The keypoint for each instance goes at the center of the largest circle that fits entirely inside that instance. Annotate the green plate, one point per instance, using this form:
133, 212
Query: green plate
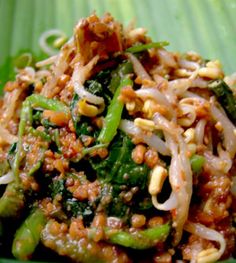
205, 26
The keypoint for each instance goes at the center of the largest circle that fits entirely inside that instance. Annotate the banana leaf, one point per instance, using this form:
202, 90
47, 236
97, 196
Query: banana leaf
205, 26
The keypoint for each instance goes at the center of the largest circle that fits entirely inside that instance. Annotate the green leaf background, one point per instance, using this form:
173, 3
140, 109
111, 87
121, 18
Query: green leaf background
205, 26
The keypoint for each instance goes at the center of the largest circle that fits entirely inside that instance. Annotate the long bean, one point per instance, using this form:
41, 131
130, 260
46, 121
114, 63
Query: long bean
114, 113
140, 239
26, 116
12, 200
27, 236
39, 101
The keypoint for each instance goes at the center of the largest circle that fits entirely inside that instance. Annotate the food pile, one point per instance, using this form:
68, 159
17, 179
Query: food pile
118, 150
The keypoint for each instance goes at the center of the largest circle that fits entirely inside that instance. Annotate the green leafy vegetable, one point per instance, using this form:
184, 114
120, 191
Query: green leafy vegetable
58, 187
143, 47
99, 85
82, 124
225, 96
117, 207
119, 167
78, 208
71, 206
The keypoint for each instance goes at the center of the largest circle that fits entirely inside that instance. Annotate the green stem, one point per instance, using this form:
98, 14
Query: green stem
56, 139
40, 101
140, 239
120, 72
91, 149
27, 236
37, 133
25, 116
113, 117
140, 48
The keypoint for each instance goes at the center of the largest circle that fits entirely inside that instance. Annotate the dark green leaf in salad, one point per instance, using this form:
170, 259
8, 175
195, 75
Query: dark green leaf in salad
225, 96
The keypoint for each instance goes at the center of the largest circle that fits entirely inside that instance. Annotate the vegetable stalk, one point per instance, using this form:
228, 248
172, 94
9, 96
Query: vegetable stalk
27, 236
40, 101
26, 116
140, 48
140, 239
114, 113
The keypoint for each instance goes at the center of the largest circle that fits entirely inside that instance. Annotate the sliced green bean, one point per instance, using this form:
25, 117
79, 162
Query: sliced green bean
39, 101
140, 239
25, 116
27, 236
113, 117
140, 48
